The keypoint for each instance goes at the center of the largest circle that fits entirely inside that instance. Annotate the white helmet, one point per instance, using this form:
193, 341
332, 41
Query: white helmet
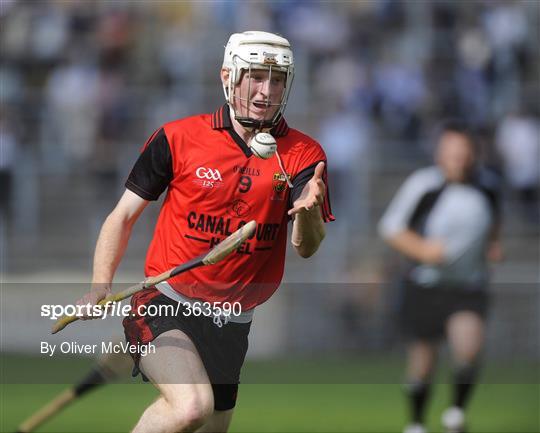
257, 50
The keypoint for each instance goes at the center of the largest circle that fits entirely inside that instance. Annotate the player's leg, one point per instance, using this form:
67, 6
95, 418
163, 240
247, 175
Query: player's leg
421, 358
202, 371
224, 403
465, 330
218, 422
186, 400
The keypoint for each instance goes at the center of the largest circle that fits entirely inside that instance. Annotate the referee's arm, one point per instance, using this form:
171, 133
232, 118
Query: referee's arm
416, 247
394, 225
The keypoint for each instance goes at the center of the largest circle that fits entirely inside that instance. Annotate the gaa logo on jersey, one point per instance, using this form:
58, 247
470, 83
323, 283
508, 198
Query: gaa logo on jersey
208, 177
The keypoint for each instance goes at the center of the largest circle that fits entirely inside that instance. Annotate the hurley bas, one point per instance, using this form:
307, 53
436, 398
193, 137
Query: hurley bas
74, 348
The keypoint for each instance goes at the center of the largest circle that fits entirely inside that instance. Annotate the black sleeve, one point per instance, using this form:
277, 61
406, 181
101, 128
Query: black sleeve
418, 219
300, 181
493, 197
153, 171
489, 182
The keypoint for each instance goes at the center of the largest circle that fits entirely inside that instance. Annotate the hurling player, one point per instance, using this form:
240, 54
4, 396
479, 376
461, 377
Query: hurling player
214, 184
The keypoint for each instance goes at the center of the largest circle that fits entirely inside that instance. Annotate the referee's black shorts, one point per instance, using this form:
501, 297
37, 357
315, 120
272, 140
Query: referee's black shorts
222, 350
425, 311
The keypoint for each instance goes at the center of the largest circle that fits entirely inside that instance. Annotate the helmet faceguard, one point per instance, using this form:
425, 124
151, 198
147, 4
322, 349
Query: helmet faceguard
253, 50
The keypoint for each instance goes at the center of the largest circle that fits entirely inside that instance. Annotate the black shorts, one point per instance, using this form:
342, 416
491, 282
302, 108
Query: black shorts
222, 350
425, 310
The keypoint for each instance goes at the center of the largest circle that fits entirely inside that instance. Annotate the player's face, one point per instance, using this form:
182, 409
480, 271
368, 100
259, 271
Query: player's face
455, 156
259, 93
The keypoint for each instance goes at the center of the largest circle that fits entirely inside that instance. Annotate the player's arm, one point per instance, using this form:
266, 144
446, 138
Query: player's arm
308, 226
111, 245
114, 236
149, 177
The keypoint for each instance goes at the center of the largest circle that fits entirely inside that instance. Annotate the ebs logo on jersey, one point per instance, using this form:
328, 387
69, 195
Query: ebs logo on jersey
208, 177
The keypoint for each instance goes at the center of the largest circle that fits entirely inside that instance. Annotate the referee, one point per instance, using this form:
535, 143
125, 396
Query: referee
444, 220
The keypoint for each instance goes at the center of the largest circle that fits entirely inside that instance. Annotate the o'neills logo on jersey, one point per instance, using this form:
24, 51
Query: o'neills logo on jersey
208, 177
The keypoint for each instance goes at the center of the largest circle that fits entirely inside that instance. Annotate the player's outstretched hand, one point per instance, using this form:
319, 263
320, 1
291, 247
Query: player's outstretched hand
96, 294
312, 195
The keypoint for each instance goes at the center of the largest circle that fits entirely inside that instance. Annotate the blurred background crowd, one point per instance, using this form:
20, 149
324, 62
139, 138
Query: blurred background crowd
84, 83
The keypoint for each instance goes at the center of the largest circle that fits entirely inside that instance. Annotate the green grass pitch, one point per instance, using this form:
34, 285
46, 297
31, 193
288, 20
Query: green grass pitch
291, 407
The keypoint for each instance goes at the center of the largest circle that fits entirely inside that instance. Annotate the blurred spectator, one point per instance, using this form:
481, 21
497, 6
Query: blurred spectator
390, 12
471, 77
352, 87
8, 146
114, 35
348, 135
16, 30
319, 27
12, 86
506, 27
71, 97
50, 32
113, 111
518, 142
401, 93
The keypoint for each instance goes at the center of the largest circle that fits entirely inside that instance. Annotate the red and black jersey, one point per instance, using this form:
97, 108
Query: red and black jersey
215, 185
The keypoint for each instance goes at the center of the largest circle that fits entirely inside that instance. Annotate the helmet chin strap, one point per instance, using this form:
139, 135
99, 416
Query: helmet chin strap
283, 170
254, 124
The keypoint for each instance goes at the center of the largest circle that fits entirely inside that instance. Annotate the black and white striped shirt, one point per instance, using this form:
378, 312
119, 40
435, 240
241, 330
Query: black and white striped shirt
461, 215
